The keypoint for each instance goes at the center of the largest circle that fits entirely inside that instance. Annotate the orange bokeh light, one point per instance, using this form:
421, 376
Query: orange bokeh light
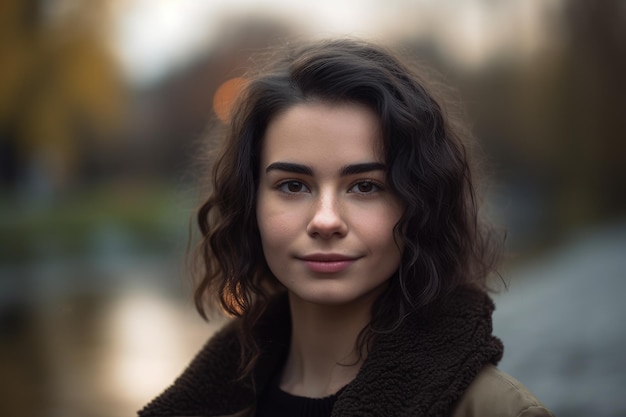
225, 96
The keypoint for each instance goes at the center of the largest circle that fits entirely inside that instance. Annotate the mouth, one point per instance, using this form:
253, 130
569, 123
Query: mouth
328, 263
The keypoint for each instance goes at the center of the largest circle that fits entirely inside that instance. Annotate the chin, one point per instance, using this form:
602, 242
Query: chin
338, 297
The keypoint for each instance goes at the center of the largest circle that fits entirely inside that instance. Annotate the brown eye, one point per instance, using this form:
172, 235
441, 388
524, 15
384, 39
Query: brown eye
293, 187
365, 187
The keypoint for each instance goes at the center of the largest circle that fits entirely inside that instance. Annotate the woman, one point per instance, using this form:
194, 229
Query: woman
342, 233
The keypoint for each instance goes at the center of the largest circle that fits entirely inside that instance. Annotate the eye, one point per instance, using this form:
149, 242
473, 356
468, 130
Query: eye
293, 187
365, 187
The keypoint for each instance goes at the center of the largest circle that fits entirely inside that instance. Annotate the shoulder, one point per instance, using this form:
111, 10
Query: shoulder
495, 393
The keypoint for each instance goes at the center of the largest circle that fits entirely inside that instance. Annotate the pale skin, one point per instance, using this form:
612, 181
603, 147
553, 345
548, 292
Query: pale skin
326, 217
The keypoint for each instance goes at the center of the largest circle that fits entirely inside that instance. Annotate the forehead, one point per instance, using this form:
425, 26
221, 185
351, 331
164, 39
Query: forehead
345, 132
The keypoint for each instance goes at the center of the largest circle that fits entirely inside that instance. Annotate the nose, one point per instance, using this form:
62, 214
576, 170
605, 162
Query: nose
327, 219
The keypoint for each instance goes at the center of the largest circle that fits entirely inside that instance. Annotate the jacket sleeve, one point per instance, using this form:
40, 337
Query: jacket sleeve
495, 393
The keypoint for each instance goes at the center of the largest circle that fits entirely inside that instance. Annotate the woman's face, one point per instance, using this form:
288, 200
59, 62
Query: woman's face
325, 212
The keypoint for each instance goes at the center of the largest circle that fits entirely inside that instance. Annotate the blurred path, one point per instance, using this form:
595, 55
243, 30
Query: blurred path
562, 325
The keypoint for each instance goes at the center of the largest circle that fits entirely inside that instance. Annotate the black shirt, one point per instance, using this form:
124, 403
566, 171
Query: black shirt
275, 402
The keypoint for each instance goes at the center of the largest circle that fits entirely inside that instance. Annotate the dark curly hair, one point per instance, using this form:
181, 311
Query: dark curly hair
444, 243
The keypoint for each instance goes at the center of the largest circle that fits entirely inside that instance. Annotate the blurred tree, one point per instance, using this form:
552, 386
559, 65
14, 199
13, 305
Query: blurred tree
596, 60
553, 123
570, 114
60, 91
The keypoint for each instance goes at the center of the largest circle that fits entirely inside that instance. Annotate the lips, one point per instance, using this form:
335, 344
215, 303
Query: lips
328, 263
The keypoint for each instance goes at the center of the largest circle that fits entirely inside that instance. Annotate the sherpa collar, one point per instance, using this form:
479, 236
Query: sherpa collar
421, 369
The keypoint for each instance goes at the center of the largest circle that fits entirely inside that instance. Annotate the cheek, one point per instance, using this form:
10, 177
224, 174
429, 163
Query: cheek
384, 245
276, 224
377, 223
380, 238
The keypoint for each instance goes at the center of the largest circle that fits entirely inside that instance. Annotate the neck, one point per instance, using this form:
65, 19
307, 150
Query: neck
322, 355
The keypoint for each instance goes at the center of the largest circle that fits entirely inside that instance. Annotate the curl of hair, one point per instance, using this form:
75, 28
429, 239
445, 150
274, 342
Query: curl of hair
445, 245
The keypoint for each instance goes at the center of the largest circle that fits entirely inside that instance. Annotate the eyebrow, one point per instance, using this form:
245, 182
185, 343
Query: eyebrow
362, 168
345, 170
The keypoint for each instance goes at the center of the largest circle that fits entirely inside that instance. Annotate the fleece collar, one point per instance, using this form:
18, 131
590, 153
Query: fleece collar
421, 369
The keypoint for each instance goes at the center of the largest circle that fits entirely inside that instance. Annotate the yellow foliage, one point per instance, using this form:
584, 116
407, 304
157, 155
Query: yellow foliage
58, 83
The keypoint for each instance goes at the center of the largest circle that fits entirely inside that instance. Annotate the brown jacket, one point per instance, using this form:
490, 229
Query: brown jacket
494, 393
439, 365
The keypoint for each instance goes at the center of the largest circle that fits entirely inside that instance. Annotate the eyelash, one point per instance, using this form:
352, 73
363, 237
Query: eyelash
283, 187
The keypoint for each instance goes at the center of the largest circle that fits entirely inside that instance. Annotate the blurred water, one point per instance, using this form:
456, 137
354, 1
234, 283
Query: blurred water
93, 337
562, 325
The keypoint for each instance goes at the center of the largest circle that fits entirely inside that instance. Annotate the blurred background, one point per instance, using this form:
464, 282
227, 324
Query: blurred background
103, 107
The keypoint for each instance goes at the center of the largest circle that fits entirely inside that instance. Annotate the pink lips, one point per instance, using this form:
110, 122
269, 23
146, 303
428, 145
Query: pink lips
327, 263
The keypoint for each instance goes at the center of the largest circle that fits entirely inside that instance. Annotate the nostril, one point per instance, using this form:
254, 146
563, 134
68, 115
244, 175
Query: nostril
326, 222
